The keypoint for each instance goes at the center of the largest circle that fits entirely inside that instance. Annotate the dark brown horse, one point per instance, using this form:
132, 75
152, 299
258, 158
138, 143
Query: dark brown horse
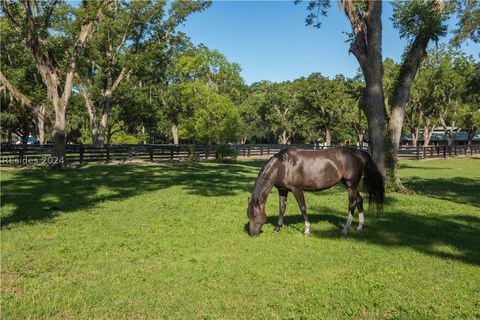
296, 170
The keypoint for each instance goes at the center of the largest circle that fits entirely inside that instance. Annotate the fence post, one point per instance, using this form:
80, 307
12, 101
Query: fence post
418, 153
81, 153
20, 154
171, 152
206, 153
150, 149
248, 151
455, 150
444, 151
261, 150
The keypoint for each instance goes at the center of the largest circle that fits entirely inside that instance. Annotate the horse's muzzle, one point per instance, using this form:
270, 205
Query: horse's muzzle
255, 229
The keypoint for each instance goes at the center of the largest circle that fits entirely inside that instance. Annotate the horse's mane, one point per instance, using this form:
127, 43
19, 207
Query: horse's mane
282, 155
258, 189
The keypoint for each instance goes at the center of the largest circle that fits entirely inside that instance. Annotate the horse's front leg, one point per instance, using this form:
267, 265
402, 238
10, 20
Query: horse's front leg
282, 194
298, 193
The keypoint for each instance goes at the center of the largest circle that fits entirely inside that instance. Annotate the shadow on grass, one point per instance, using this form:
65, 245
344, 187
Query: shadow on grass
39, 194
459, 189
455, 237
34, 193
409, 166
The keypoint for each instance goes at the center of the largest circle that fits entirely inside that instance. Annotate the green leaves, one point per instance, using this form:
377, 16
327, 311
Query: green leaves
316, 8
419, 18
442, 90
214, 118
468, 12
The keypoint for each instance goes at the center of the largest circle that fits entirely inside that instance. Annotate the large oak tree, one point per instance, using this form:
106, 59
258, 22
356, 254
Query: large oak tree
42, 26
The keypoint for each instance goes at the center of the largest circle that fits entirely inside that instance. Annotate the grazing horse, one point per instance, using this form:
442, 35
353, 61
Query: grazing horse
296, 170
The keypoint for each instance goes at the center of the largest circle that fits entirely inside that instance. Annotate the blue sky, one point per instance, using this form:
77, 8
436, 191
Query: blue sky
270, 41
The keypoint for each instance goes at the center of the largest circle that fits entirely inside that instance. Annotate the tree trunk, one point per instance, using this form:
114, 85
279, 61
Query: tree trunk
414, 57
427, 132
59, 104
41, 123
328, 137
283, 137
415, 134
175, 133
25, 136
367, 48
92, 114
98, 130
360, 129
451, 137
143, 134
449, 133
416, 54
361, 137
374, 109
59, 138
105, 116
470, 134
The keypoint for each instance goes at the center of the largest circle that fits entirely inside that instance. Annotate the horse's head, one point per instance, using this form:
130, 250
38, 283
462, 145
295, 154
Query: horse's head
256, 216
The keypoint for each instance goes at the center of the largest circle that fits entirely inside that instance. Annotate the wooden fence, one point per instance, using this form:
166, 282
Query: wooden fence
41, 154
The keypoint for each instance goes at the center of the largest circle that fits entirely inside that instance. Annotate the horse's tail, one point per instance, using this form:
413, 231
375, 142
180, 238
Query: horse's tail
373, 183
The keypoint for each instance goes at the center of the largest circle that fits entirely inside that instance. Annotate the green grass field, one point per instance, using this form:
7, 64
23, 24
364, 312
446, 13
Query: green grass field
168, 241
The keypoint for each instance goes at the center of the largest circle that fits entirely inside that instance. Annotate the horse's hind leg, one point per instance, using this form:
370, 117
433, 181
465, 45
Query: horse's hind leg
352, 204
360, 211
282, 194
298, 193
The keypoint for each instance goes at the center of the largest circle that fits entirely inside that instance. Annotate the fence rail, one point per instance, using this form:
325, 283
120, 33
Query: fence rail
30, 154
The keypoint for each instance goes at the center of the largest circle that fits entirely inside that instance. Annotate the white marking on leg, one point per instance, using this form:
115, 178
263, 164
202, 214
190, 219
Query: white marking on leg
360, 221
307, 228
348, 224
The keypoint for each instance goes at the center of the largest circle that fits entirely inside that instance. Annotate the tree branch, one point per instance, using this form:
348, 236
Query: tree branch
117, 50
348, 7
48, 14
120, 77
85, 32
24, 100
10, 18
416, 54
88, 102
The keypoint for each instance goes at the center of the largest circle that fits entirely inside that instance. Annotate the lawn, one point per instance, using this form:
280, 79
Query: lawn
168, 241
